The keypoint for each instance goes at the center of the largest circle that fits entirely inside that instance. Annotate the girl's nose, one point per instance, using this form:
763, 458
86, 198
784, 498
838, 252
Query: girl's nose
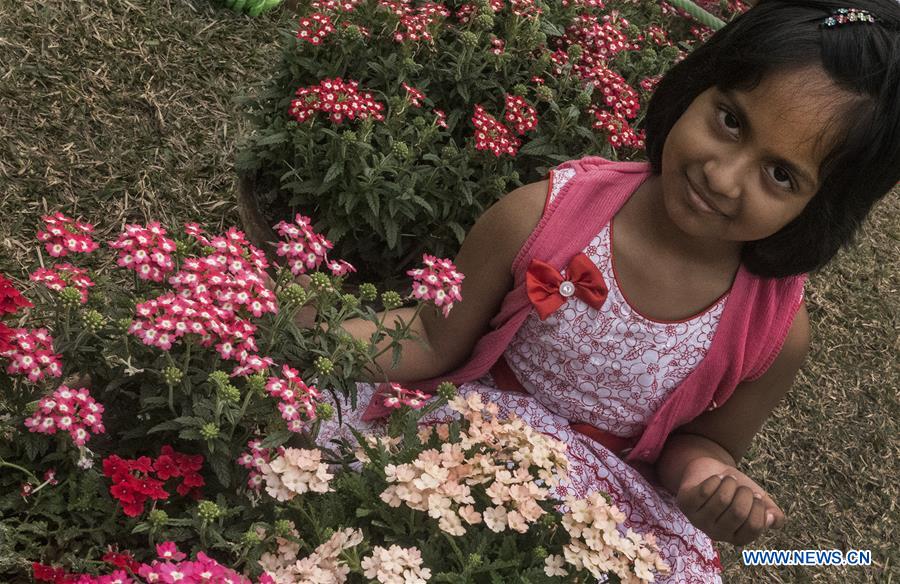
724, 177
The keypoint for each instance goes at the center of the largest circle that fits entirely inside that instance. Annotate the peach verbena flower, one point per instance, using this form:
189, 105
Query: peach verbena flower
496, 456
598, 547
323, 566
395, 565
294, 472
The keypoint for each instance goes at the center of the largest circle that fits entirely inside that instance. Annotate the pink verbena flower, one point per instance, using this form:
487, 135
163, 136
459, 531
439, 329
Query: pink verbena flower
63, 276
30, 353
252, 459
335, 5
520, 114
314, 28
167, 550
297, 401
397, 396
64, 235
438, 282
304, 248
68, 410
213, 297
492, 135
145, 250
337, 98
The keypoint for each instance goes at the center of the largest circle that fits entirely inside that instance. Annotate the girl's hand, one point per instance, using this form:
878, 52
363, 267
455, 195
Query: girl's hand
305, 317
725, 503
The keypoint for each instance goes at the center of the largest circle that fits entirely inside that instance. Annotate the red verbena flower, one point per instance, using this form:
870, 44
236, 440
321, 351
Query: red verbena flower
520, 114
30, 352
11, 300
314, 28
337, 98
492, 135
64, 235
63, 276
69, 410
145, 250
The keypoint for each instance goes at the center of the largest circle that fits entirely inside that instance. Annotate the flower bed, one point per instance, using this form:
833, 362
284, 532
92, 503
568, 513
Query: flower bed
159, 421
396, 124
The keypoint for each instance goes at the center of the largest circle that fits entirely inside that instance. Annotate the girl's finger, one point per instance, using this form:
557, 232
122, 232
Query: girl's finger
737, 512
720, 500
691, 499
778, 517
754, 526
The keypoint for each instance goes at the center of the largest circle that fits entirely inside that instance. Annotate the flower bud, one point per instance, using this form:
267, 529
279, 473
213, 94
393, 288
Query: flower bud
349, 300
70, 297
446, 390
519, 89
474, 560
400, 150
324, 365
448, 152
229, 393
93, 320
420, 122
544, 93
283, 527
181, 248
349, 137
582, 100
320, 281
540, 552
352, 33
123, 324
208, 511
368, 292
324, 411
172, 375
484, 21
669, 53
209, 431
218, 378
157, 518
251, 538
391, 300
468, 39
574, 52
293, 294
257, 383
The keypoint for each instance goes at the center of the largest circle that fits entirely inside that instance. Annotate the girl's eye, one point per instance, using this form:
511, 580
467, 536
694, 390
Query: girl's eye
728, 119
782, 177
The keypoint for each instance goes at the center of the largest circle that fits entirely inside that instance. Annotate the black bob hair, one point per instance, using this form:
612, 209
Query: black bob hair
864, 165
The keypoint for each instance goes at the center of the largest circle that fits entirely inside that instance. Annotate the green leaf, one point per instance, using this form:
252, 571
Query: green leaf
221, 465
166, 426
391, 233
334, 170
272, 139
373, 201
458, 231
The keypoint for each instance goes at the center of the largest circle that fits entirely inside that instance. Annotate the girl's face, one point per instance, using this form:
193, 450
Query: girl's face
739, 166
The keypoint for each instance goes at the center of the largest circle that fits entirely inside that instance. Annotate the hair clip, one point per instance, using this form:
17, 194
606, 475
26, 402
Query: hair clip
845, 15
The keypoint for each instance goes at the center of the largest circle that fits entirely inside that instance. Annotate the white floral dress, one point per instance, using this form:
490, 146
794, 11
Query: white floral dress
610, 368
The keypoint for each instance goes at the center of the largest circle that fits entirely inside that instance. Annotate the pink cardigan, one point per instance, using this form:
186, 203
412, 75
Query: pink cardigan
754, 323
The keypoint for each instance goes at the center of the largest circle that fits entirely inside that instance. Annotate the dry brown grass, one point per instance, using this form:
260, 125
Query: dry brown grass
121, 111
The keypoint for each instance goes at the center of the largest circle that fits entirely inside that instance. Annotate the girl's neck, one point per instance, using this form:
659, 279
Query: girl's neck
647, 208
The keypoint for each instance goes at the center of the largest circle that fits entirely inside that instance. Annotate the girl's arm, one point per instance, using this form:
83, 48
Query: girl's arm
485, 258
698, 462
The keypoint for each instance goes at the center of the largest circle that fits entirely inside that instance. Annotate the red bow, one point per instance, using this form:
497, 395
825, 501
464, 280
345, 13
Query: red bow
547, 289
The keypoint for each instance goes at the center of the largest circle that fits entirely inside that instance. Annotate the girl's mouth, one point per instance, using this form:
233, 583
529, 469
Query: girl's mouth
700, 203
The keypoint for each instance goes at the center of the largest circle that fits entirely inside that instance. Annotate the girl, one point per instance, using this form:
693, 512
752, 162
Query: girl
650, 315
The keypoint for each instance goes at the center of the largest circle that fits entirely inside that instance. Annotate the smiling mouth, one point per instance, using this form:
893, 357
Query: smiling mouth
700, 202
